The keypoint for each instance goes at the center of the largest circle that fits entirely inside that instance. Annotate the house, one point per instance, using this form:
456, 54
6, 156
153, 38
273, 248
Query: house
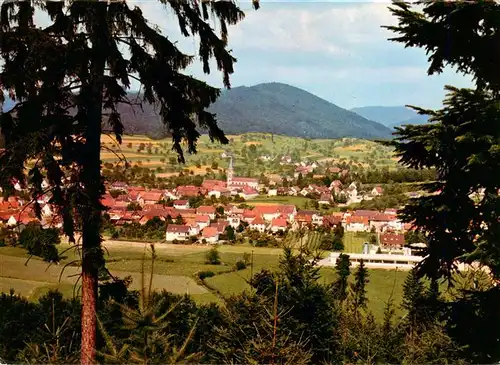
249, 215
210, 184
352, 192
356, 223
278, 224
379, 220
392, 240
272, 192
285, 160
377, 191
149, 197
151, 207
202, 221
177, 232
47, 210
333, 220
206, 210
17, 185
221, 225
119, 185
181, 204
302, 170
108, 201
188, 190
306, 217
194, 229
169, 194
325, 199
234, 221
147, 217
336, 187
248, 192
218, 191
258, 224
237, 181
210, 234
269, 212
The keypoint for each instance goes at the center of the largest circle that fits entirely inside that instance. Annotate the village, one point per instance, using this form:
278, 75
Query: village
219, 223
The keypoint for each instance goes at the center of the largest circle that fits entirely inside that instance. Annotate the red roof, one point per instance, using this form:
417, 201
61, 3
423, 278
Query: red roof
209, 232
205, 209
203, 218
332, 219
245, 179
181, 202
108, 202
382, 218
258, 220
390, 239
152, 196
188, 190
266, 209
152, 206
177, 228
357, 219
306, 213
275, 209
247, 213
249, 190
325, 198
278, 222
220, 225
210, 184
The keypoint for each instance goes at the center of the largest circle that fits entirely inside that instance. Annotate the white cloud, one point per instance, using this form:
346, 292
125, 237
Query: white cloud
323, 27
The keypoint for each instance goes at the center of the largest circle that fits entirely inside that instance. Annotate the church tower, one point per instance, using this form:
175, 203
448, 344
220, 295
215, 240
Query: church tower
230, 172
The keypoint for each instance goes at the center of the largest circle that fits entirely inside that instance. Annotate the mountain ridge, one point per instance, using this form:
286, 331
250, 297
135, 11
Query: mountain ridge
391, 116
284, 109
272, 107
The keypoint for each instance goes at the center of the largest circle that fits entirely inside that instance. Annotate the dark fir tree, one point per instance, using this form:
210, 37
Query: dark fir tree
68, 76
310, 311
461, 143
413, 298
358, 288
341, 282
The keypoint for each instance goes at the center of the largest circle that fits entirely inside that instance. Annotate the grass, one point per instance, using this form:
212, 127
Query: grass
299, 201
355, 150
353, 242
175, 271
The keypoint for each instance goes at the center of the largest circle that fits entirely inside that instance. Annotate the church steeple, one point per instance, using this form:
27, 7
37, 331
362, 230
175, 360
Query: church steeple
230, 172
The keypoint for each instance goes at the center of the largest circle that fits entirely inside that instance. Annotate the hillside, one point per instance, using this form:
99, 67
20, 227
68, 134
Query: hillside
283, 109
391, 116
270, 108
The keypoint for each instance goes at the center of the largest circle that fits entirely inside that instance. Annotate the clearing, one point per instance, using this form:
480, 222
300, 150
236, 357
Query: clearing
175, 271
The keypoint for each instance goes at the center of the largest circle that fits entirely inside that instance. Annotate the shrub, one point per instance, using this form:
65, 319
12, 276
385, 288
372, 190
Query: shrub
205, 274
247, 258
261, 243
213, 257
240, 265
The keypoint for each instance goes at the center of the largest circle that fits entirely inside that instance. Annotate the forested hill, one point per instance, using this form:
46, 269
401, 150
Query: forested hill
287, 110
271, 108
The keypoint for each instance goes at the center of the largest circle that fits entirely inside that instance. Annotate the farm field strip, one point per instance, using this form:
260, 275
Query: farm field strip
175, 270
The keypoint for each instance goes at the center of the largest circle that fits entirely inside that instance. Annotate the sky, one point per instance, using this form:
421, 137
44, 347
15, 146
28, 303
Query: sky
335, 50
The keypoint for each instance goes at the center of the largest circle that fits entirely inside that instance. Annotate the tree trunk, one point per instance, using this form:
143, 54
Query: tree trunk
92, 257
